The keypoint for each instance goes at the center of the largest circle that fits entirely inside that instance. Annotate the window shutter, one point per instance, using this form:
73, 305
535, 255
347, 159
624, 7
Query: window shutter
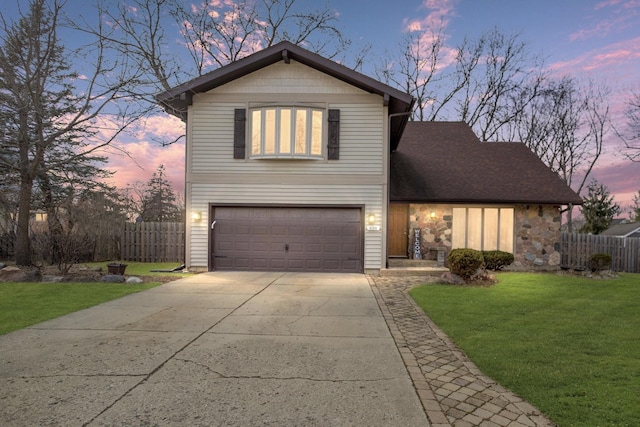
239, 130
334, 135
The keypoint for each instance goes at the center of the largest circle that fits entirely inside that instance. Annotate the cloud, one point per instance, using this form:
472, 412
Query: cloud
139, 152
439, 16
141, 160
619, 16
616, 55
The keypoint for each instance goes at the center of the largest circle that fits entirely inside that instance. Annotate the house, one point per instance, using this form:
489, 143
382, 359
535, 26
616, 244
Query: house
289, 158
623, 229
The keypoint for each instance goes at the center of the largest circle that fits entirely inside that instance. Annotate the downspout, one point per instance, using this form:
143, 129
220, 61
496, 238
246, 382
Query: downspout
386, 246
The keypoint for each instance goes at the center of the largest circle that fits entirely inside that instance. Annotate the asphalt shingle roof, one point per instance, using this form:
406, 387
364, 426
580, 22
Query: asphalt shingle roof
625, 229
445, 162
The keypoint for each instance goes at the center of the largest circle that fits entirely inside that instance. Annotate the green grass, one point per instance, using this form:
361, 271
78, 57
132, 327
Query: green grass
568, 345
25, 304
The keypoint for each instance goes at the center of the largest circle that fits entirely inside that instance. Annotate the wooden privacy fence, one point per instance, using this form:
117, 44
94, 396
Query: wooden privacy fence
576, 249
153, 242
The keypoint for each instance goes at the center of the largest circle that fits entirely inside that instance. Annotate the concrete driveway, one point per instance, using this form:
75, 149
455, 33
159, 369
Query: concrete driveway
233, 349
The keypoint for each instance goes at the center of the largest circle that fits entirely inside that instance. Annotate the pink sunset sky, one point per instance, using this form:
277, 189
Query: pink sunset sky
597, 39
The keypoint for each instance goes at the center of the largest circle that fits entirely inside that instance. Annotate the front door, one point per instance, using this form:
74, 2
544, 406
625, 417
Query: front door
398, 229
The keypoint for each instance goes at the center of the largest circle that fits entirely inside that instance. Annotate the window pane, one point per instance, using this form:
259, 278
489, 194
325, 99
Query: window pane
506, 230
285, 131
490, 229
316, 133
270, 131
459, 228
256, 130
301, 131
474, 228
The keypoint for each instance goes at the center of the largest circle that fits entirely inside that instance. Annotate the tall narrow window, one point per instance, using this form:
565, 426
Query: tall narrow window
301, 131
256, 132
270, 131
287, 132
316, 132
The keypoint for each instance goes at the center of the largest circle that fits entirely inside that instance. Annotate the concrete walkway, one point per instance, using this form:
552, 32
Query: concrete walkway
233, 349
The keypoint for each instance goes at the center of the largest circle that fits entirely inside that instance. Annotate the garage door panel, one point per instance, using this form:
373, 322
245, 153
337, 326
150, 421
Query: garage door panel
239, 246
288, 239
349, 264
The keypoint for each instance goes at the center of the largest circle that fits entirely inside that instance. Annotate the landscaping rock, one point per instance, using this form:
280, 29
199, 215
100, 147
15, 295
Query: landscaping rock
2, 265
134, 280
113, 278
52, 279
452, 279
12, 274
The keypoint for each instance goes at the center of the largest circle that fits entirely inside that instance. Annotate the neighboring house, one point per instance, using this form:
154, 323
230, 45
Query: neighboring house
623, 229
287, 168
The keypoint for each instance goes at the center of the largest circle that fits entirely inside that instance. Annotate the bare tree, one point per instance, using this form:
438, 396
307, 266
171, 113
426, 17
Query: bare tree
501, 90
503, 78
213, 33
565, 126
47, 108
417, 71
486, 83
136, 30
632, 135
218, 33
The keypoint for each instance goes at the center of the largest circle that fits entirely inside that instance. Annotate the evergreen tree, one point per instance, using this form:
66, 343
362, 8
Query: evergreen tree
48, 112
158, 200
598, 208
634, 215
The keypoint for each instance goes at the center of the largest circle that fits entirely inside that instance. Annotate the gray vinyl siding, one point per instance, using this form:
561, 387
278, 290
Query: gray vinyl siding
214, 177
369, 196
361, 152
292, 78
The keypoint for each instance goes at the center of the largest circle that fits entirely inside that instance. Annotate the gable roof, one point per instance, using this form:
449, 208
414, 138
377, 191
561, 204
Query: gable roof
622, 229
445, 162
176, 100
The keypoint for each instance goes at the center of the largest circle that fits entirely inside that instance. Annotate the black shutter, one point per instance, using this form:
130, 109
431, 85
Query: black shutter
239, 130
334, 135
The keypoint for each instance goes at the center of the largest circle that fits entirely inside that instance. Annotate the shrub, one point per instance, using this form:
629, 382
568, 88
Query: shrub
465, 262
599, 262
497, 260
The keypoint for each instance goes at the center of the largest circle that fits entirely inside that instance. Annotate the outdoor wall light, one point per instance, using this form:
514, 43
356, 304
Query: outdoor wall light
196, 216
372, 219
432, 215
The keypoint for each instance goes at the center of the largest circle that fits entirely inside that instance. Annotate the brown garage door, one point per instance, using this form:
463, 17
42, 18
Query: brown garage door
287, 239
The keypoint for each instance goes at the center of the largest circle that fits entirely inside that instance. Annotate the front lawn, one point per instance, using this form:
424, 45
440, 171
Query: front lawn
25, 304
568, 345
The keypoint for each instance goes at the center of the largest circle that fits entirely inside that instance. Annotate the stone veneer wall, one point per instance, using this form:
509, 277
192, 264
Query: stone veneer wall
436, 232
536, 233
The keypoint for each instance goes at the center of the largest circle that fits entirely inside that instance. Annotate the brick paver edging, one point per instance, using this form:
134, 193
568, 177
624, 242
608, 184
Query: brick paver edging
453, 391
